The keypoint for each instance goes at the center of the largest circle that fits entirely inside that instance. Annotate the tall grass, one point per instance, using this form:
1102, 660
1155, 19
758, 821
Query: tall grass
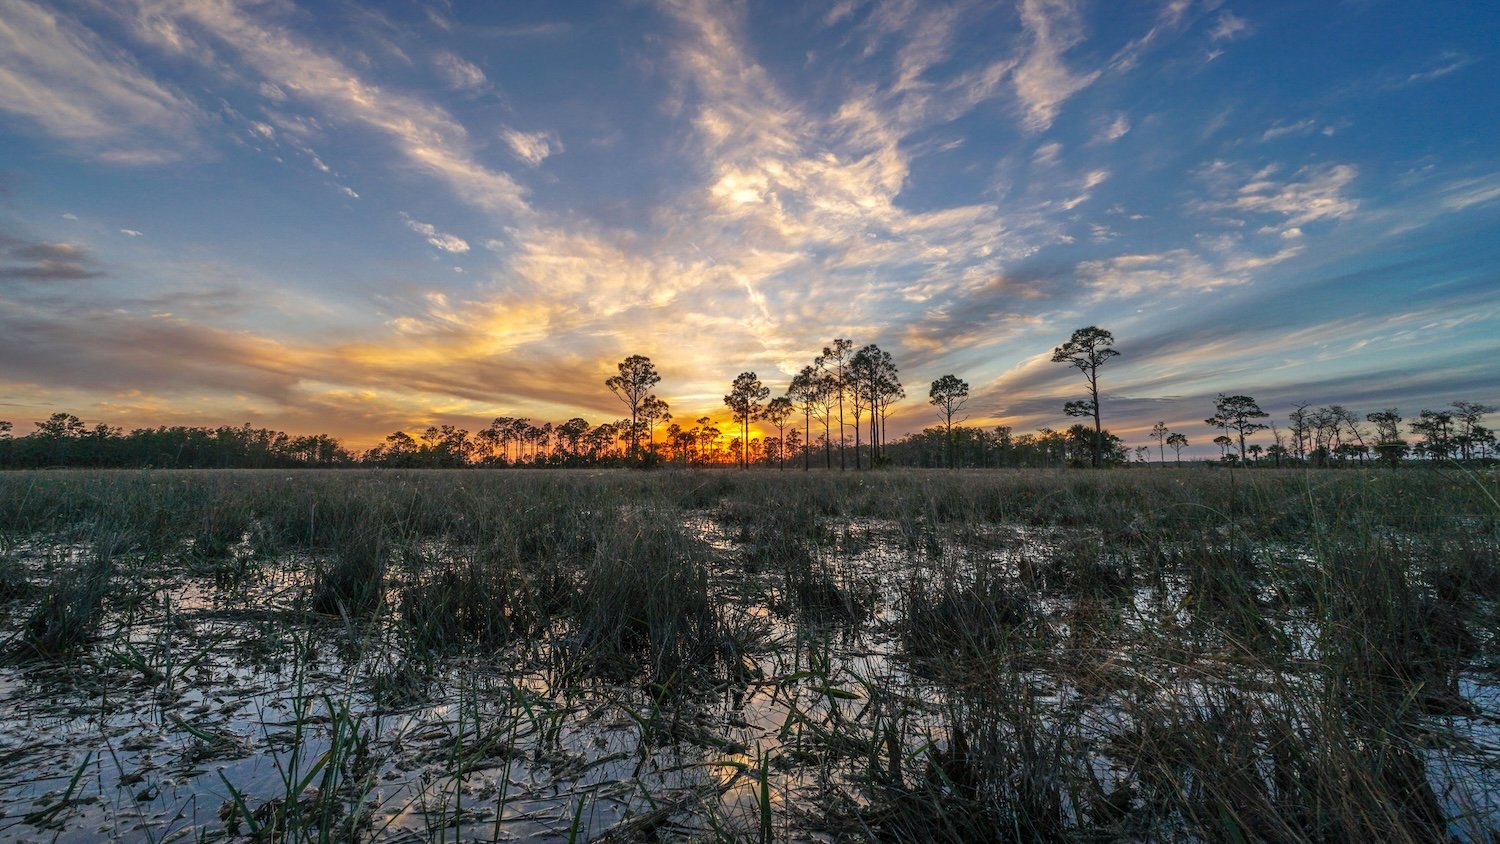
1138, 655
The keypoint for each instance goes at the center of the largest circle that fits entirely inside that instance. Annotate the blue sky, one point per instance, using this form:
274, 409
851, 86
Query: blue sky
358, 218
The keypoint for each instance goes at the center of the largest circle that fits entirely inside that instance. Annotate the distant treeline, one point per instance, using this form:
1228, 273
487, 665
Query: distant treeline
843, 398
64, 440
1311, 438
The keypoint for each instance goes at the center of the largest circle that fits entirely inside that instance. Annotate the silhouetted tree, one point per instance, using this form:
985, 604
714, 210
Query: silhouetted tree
745, 396
1088, 349
1301, 427
834, 360
858, 402
1435, 427
1278, 447
806, 390
1237, 413
877, 381
1350, 420
777, 412
1079, 440
1470, 434
707, 436
1389, 445
637, 376
1225, 444
517, 429
827, 402
949, 394
571, 433
1160, 433
1178, 442
653, 412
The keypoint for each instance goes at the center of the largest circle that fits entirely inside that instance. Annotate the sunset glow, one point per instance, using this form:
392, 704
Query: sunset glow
363, 218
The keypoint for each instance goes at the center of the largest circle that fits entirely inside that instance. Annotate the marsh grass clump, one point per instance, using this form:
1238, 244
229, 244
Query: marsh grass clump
352, 582
1226, 596
461, 601
1282, 762
217, 534
68, 614
643, 605
1078, 564
962, 623
820, 593
1000, 767
1397, 641
14, 582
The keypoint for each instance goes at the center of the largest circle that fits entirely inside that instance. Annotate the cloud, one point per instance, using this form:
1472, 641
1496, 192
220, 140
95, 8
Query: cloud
42, 251
1046, 154
1114, 130
101, 350
131, 233
1314, 193
1230, 27
460, 75
532, 147
48, 271
35, 260
62, 77
1042, 81
986, 312
1447, 63
1464, 193
1169, 20
428, 138
1086, 185
440, 240
1282, 130
1162, 273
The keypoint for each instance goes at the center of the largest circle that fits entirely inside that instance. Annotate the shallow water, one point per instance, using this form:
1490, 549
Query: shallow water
210, 698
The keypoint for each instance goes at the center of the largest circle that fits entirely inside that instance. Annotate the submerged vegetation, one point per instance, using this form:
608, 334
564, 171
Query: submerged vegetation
1191, 656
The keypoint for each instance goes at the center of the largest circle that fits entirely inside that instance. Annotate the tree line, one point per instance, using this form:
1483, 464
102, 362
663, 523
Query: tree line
63, 440
845, 393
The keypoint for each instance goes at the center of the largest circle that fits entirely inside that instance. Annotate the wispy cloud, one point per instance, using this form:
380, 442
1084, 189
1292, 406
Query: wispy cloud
1312, 193
1464, 193
74, 87
1448, 62
1158, 274
26, 260
439, 240
1113, 130
460, 75
1230, 27
1043, 81
1282, 129
427, 136
1046, 154
532, 147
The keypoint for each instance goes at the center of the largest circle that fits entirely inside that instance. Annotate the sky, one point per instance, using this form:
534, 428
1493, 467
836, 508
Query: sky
357, 218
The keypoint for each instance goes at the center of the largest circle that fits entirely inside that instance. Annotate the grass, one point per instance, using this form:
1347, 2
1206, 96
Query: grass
1143, 654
